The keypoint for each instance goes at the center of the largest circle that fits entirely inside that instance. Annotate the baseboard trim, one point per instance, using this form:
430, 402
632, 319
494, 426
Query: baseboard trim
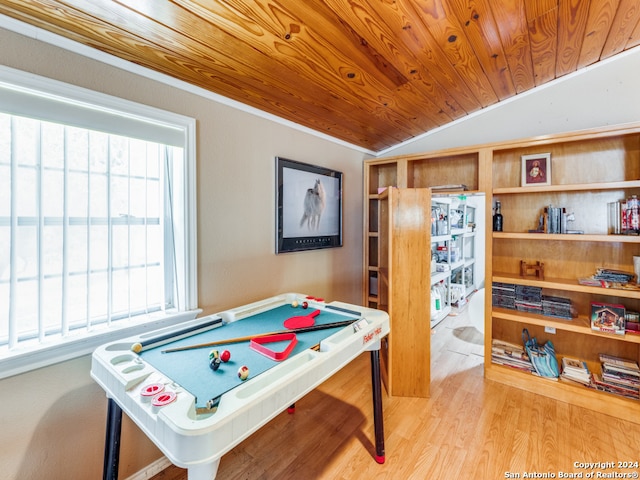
151, 469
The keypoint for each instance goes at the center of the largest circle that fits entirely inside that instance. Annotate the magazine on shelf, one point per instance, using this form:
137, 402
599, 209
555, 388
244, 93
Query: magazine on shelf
575, 370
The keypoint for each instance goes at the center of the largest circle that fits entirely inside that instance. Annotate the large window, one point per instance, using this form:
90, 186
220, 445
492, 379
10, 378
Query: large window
97, 230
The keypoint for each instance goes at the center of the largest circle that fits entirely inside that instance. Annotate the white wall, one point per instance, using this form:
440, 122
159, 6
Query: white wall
607, 93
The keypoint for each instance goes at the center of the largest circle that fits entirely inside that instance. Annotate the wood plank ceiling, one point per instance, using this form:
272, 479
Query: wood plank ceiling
373, 73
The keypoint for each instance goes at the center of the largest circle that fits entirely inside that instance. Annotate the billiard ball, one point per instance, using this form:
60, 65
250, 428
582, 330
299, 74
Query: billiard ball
294, 304
305, 305
136, 347
214, 363
243, 373
214, 360
225, 356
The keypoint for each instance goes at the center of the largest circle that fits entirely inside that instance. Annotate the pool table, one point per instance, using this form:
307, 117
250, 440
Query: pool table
195, 410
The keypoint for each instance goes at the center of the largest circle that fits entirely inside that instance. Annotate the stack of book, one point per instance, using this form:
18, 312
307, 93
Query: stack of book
510, 355
619, 376
556, 307
608, 275
503, 295
529, 299
575, 370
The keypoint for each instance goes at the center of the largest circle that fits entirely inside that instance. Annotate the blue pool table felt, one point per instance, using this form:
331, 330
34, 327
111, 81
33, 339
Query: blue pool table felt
190, 368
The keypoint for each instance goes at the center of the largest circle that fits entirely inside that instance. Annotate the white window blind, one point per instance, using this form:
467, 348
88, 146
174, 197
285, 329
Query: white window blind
97, 221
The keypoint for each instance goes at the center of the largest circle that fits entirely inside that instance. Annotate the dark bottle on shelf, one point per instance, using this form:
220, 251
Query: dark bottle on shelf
497, 219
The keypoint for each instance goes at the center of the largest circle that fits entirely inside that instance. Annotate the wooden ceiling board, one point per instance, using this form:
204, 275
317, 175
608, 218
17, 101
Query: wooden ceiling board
624, 24
572, 22
543, 31
426, 57
511, 22
599, 22
484, 37
373, 73
438, 18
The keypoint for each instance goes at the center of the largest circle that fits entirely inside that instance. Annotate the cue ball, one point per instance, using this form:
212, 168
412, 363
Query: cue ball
294, 304
243, 372
225, 356
136, 347
305, 305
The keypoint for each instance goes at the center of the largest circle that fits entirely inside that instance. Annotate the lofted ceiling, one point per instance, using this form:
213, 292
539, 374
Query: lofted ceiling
373, 73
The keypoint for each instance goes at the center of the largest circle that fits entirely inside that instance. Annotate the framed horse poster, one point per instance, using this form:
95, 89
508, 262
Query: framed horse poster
308, 205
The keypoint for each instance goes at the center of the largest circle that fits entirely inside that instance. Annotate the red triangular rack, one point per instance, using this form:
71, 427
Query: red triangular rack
258, 344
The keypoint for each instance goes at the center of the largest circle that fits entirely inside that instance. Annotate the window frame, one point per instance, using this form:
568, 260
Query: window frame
29, 358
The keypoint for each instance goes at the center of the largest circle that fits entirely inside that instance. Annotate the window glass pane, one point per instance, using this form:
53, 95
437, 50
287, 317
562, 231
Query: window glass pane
5, 138
155, 283
5, 255
52, 303
99, 255
119, 196
120, 286
138, 289
155, 245
120, 249
78, 192
153, 199
77, 148
98, 152
5, 189
154, 158
99, 201
138, 245
26, 249
118, 155
26, 192
52, 261
99, 295
52, 145
138, 158
26, 304
77, 238
26, 133
53, 193
138, 204
77, 304
4, 311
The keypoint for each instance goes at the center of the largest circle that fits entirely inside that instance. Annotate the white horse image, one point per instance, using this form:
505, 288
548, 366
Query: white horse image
314, 203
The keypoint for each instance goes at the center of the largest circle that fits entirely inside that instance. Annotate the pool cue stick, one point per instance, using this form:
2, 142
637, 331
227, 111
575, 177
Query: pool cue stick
247, 338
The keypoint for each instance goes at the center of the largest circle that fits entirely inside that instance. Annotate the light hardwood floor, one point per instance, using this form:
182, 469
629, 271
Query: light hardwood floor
470, 428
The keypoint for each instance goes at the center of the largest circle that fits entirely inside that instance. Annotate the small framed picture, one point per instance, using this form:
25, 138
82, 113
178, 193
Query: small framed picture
536, 169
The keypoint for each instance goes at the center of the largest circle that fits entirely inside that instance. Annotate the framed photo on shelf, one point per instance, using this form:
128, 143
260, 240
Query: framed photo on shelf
536, 169
308, 206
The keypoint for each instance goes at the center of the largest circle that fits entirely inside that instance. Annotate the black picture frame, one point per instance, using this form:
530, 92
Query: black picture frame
308, 206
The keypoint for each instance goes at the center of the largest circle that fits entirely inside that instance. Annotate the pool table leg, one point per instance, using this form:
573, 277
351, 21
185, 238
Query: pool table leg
112, 441
376, 387
204, 471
